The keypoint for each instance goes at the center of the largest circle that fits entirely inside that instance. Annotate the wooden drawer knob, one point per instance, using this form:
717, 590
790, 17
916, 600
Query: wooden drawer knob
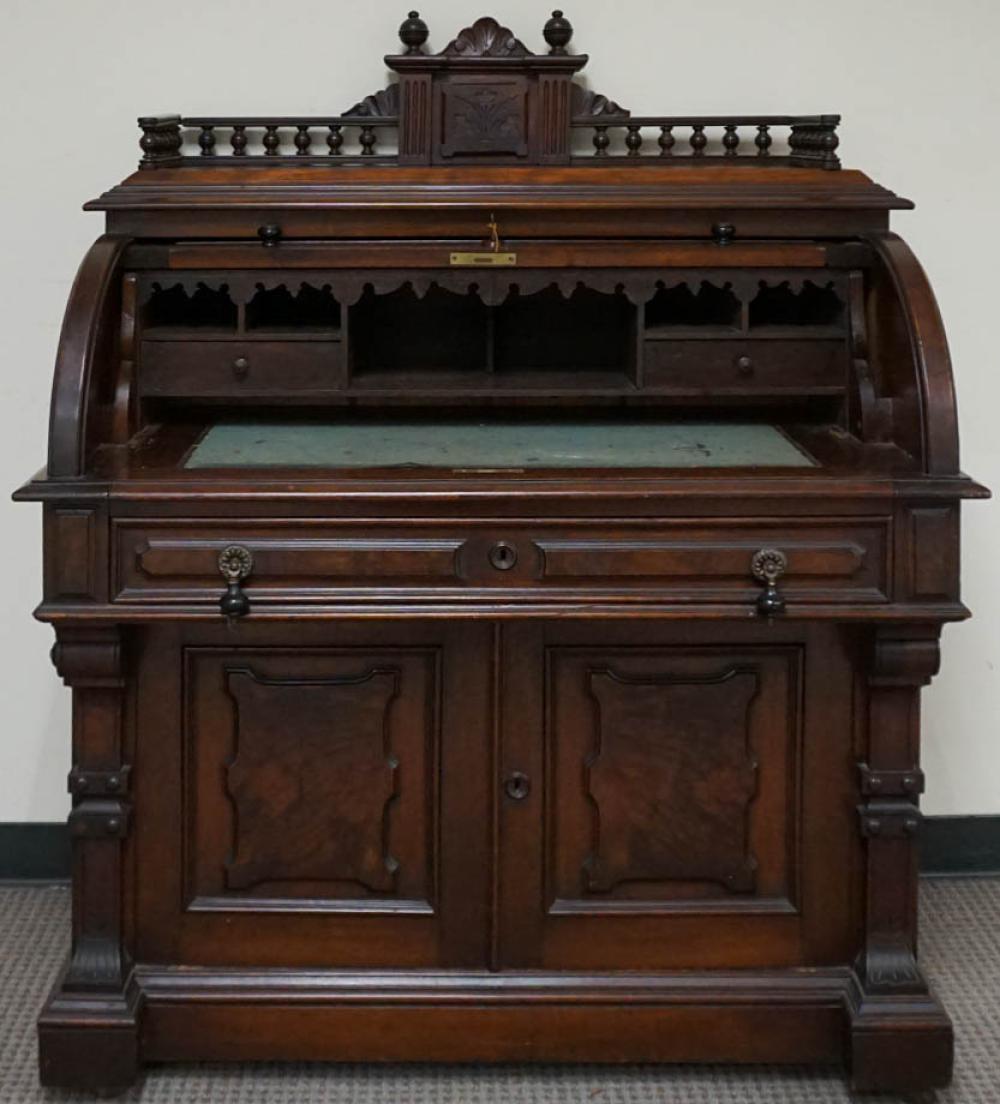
241, 366
744, 365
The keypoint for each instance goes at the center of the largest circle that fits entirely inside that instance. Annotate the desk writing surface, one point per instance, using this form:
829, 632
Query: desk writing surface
477, 445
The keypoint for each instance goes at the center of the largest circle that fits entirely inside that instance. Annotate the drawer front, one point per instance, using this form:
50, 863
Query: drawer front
745, 365
827, 559
235, 369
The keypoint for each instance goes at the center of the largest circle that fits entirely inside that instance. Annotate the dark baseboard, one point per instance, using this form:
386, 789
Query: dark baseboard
36, 852
948, 845
960, 845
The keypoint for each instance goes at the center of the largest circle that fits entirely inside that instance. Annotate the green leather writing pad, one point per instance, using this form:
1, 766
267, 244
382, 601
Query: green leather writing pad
495, 445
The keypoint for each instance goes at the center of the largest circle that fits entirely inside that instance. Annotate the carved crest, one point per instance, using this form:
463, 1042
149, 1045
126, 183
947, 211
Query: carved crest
486, 38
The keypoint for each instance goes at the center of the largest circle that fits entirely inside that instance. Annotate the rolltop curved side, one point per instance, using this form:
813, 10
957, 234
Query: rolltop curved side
910, 356
83, 386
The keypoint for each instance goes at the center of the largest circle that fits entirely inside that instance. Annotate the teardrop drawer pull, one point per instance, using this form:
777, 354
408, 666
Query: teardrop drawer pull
767, 566
235, 565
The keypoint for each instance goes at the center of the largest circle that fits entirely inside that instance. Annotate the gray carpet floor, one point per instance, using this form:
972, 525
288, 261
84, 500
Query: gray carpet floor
960, 952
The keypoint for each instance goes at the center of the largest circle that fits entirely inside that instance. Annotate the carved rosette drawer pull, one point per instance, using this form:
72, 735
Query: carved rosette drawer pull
241, 368
502, 556
235, 565
767, 567
517, 785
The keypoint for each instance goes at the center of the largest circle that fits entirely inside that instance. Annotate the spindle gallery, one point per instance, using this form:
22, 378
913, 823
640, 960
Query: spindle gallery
496, 543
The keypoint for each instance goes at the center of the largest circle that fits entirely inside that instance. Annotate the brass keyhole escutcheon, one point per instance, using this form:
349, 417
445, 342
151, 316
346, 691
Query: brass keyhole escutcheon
503, 556
517, 786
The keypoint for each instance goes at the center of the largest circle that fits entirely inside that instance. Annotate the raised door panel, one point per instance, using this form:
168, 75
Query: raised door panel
294, 769
324, 787
690, 798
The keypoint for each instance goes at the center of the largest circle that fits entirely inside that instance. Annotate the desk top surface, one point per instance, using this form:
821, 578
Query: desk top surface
495, 445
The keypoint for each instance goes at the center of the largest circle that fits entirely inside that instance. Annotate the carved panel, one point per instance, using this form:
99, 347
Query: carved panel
671, 779
480, 117
311, 779
310, 774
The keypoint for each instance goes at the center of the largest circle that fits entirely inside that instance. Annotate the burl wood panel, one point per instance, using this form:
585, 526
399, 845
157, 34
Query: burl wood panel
297, 767
312, 778
671, 779
673, 775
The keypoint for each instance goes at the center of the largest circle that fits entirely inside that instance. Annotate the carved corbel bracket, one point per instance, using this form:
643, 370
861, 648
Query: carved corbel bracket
912, 659
89, 658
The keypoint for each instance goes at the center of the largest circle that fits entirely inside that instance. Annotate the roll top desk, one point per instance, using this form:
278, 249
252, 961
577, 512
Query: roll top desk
496, 543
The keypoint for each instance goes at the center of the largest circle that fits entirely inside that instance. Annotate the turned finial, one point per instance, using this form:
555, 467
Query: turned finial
413, 32
558, 31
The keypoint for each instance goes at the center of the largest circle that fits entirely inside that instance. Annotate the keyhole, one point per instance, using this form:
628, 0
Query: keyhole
503, 556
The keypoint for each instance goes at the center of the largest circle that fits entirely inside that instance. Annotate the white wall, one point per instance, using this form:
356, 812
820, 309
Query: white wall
917, 82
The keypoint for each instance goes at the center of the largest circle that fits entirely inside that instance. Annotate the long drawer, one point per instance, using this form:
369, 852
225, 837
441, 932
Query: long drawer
235, 369
309, 560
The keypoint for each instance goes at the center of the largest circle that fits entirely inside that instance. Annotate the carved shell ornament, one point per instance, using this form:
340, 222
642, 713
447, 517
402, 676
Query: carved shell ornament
487, 38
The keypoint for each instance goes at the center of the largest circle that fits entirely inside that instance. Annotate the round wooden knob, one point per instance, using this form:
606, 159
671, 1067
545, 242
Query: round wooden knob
413, 33
557, 33
269, 234
241, 366
723, 232
744, 365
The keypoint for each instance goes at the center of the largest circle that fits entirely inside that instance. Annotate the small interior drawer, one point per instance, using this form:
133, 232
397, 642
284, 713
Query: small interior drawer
818, 366
234, 369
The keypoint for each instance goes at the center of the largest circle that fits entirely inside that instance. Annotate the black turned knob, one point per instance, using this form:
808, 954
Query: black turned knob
241, 366
270, 234
557, 32
235, 565
767, 566
744, 365
413, 32
723, 233
517, 786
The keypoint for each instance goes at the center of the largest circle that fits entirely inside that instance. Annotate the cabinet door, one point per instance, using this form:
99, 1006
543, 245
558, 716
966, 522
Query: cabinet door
687, 799
312, 795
